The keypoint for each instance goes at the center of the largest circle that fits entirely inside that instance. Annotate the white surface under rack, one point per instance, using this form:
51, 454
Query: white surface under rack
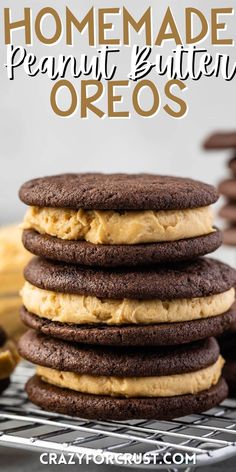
210, 436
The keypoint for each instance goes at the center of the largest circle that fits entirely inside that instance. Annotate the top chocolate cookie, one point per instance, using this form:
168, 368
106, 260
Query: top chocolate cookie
117, 192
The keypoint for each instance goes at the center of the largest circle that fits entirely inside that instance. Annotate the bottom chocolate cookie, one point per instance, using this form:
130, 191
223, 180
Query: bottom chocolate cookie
132, 335
101, 407
4, 383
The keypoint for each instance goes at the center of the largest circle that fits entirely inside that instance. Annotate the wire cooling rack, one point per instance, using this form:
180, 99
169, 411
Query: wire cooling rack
202, 438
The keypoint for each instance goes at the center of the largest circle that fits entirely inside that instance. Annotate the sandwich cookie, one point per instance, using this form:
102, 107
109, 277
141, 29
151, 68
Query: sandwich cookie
119, 219
101, 383
129, 307
8, 360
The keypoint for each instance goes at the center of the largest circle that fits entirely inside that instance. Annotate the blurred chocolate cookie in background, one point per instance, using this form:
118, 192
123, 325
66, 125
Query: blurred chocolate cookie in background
227, 187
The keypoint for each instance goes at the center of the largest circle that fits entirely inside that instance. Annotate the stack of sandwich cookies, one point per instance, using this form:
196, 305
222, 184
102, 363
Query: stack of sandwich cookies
227, 187
100, 382
119, 270
119, 220
8, 360
142, 306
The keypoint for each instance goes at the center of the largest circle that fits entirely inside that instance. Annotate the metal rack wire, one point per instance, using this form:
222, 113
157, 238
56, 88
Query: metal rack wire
207, 438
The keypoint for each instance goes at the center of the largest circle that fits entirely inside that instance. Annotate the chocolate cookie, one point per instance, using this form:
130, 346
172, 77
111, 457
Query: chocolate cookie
100, 407
4, 384
117, 192
104, 255
221, 140
132, 335
200, 278
121, 362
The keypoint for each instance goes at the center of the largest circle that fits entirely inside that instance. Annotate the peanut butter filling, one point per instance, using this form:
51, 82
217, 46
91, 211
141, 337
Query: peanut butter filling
164, 386
81, 309
125, 227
